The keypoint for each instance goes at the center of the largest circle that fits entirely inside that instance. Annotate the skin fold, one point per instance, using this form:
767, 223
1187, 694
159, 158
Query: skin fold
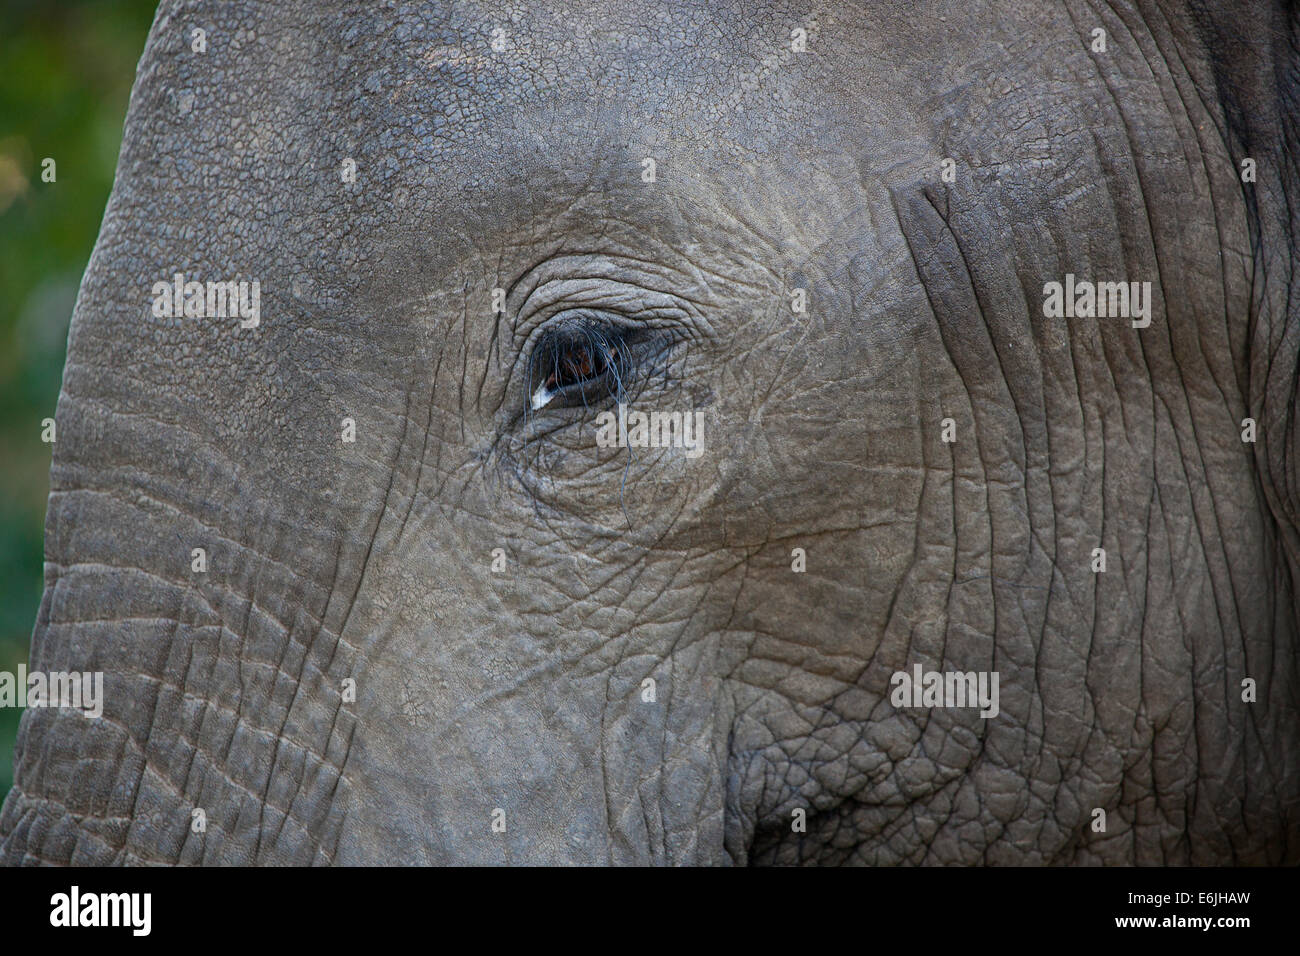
351, 680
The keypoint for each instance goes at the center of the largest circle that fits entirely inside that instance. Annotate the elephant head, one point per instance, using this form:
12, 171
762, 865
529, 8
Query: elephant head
600, 433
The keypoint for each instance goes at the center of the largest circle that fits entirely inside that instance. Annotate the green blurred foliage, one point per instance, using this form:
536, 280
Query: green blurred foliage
66, 70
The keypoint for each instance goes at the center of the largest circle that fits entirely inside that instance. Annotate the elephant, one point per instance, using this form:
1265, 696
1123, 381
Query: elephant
750, 432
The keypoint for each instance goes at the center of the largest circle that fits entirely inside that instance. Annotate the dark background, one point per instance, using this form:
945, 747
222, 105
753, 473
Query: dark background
66, 69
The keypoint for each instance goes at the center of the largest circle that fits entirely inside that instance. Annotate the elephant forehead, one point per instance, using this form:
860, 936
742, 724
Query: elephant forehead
474, 121
460, 87
451, 114
469, 67
767, 75
453, 109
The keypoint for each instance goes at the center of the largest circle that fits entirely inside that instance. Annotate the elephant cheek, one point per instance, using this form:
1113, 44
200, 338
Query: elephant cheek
478, 749
502, 720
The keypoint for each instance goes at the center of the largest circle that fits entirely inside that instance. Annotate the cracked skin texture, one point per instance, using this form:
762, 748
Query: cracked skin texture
521, 169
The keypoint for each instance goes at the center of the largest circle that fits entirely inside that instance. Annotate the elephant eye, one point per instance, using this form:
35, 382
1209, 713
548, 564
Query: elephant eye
577, 364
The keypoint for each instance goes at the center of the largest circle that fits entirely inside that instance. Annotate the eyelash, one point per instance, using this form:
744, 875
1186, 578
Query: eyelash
579, 362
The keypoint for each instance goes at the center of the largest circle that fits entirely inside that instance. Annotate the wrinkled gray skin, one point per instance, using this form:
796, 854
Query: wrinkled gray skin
521, 690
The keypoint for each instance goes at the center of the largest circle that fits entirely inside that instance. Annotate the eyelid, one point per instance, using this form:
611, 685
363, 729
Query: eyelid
617, 302
601, 281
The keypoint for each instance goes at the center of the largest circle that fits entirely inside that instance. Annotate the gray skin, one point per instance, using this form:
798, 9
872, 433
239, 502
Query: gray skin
521, 689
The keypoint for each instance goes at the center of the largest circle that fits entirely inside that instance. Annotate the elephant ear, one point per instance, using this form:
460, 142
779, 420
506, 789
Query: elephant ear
1254, 58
